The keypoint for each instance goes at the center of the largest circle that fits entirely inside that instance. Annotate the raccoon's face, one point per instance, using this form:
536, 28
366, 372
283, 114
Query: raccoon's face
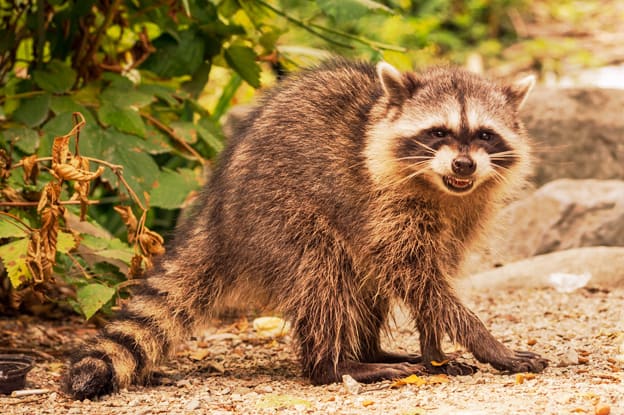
449, 127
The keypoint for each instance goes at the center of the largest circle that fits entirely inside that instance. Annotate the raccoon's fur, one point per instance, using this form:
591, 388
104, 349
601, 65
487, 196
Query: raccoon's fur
348, 186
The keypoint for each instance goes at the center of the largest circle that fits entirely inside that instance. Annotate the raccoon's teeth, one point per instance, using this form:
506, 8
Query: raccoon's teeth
458, 184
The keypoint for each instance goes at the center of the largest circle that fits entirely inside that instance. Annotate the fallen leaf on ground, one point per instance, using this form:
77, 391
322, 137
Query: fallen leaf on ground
410, 380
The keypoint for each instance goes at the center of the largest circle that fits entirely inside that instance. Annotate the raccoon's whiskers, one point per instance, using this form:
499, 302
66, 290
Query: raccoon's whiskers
504, 155
498, 176
414, 158
425, 146
410, 176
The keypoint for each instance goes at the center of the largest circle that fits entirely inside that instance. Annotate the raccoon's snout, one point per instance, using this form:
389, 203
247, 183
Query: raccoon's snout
463, 166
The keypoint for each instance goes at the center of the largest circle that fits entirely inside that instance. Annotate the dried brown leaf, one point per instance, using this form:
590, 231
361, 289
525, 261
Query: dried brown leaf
36, 260
31, 168
151, 243
5, 164
60, 149
128, 218
135, 266
69, 172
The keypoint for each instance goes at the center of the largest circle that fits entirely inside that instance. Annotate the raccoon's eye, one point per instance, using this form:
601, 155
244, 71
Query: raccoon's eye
485, 135
439, 133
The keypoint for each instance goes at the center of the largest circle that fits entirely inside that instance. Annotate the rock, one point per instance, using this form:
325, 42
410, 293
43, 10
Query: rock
560, 215
351, 386
579, 133
192, 405
568, 358
605, 264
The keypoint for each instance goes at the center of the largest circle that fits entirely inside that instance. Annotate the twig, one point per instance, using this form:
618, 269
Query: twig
26, 351
98, 36
29, 392
22, 95
61, 202
15, 218
302, 25
372, 43
173, 135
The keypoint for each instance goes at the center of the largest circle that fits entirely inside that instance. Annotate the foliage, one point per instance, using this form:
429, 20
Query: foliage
122, 82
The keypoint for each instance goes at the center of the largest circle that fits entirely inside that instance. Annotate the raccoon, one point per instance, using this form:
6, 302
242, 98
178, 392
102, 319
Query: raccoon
347, 187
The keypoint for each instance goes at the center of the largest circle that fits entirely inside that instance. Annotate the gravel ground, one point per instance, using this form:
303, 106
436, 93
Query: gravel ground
229, 369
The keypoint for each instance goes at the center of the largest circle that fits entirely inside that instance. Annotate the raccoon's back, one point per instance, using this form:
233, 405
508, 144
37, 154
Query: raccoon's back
303, 144
295, 170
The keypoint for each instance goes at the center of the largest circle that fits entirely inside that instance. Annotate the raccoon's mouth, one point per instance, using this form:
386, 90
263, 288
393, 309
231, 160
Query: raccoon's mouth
457, 184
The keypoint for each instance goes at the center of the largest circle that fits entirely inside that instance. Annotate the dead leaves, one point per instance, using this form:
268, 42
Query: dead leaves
420, 381
67, 167
147, 243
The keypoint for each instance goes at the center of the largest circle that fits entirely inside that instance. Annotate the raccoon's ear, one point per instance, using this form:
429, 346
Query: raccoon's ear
518, 91
396, 86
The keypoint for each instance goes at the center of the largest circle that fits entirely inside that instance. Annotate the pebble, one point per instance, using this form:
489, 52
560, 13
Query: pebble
351, 385
192, 404
568, 358
264, 388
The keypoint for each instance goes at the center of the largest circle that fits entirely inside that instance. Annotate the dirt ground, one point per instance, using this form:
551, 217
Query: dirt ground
229, 369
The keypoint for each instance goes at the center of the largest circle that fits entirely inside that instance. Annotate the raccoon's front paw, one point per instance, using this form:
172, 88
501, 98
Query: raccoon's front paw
88, 378
452, 368
522, 361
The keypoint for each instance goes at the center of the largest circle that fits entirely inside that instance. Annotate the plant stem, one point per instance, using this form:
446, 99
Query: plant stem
359, 39
29, 204
22, 95
173, 135
15, 218
302, 25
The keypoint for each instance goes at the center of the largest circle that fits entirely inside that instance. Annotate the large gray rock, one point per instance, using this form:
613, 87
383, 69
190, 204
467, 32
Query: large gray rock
604, 264
579, 133
560, 215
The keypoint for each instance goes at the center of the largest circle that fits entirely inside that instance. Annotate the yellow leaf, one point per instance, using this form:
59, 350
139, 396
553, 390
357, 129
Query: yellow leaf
435, 379
368, 403
437, 364
200, 354
410, 380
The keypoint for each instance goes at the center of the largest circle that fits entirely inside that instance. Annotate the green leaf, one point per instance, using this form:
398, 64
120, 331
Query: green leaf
111, 248
160, 91
211, 133
33, 111
198, 80
55, 77
349, 10
139, 168
226, 97
11, 229
124, 98
93, 297
126, 120
172, 189
25, 139
243, 60
13, 255
65, 242
177, 54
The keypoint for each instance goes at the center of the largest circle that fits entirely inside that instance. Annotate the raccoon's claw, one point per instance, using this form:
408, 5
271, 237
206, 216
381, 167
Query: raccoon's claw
452, 368
522, 361
88, 378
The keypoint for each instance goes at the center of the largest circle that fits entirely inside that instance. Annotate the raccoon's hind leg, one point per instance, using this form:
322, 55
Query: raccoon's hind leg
164, 310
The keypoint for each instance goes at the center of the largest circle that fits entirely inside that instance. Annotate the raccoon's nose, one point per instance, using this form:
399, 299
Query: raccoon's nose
464, 166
